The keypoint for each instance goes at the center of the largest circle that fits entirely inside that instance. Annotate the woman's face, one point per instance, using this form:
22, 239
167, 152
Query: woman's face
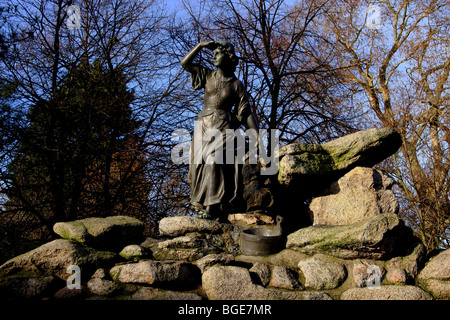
219, 57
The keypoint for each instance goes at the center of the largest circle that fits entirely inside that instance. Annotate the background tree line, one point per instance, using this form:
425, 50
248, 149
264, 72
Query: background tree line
87, 114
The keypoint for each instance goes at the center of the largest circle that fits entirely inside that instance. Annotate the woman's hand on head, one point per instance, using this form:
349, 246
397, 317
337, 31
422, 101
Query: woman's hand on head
211, 45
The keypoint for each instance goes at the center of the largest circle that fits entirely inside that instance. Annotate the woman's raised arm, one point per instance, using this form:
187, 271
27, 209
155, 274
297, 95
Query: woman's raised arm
189, 58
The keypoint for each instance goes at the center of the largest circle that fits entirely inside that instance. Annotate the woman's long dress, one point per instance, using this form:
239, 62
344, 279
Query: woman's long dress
226, 106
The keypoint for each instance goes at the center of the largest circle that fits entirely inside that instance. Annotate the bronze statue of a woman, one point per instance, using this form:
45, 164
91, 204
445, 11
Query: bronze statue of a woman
215, 184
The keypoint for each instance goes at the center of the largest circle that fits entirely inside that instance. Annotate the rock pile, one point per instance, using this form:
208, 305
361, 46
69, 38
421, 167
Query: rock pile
355, 247
200, 259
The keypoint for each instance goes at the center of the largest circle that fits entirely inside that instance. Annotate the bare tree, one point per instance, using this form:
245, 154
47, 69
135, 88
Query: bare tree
286, 64
403, 72
127, 38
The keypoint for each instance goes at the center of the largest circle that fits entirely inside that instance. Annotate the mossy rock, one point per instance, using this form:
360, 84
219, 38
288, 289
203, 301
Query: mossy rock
110, 233
53, 258
307, 168
373, 238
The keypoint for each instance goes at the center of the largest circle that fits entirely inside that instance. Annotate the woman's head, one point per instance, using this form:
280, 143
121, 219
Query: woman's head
224, 55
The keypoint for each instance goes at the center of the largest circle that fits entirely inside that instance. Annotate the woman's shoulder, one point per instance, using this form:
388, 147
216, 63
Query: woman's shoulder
238, 85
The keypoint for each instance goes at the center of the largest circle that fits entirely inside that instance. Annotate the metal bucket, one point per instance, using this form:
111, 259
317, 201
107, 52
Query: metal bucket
261, 242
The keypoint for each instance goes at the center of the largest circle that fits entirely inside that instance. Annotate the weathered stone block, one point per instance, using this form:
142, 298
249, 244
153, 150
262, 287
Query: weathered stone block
165, 273
113, 232
372, 238
54, 257
309, 168
435, 277
183, 248
212, 259
181, 225
361, 194
235, 283
322, 275
284, 278
386, 293
132, 251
